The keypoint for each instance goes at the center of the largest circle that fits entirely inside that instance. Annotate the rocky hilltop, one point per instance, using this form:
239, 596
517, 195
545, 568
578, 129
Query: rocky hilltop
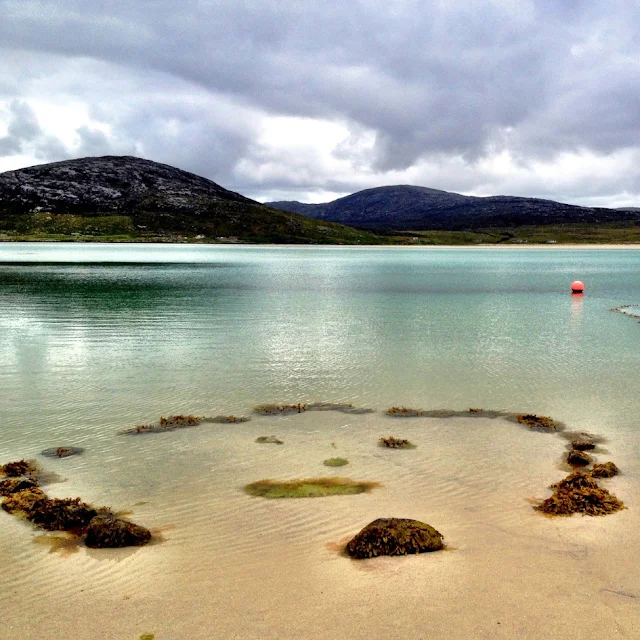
406, 207
122, 195
122, 184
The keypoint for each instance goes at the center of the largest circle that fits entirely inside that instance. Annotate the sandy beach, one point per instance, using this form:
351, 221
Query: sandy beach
237, 566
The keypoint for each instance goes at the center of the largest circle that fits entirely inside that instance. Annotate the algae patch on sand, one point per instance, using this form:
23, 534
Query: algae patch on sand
308, 488
335, 462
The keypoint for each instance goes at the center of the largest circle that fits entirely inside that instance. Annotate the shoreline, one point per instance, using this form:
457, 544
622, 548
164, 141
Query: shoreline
243, 565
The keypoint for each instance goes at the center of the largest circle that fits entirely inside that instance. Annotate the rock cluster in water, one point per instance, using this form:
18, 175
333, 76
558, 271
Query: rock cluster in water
99, 527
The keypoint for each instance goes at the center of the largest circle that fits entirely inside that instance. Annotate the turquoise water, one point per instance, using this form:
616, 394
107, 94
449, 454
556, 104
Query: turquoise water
171, 329
96, 339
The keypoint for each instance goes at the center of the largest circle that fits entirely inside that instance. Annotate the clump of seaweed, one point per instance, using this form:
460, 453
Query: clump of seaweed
474, 410
396, 443
227, 419
166, 424
62, 452
404, 412
179, 421
19, 468
335, 462
308, 488
13, 485
394, 537
534, 421
343, 407
605, 470
268, 440
583, 443
51, 514
579, 458
579, 493
273, 409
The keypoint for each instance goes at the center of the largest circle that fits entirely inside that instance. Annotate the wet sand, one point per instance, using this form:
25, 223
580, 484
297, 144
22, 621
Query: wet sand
236, 566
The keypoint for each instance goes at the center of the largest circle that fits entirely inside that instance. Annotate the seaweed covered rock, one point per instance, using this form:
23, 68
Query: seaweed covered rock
392, 442
53, 514
533, 421
605, 470
107, 531
274, 409
19, 468
578, 458
403, 412
579, 493
13, 485
394, 537
583, 443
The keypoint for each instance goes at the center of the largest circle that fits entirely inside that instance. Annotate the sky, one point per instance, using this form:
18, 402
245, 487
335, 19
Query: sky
313, 100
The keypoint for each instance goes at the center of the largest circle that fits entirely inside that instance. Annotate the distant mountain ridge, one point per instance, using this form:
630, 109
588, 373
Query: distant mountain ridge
408, 207
133, 194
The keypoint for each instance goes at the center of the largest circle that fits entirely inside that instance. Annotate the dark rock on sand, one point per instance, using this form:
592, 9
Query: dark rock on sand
605, 470
394, 537
578, 458
106, 531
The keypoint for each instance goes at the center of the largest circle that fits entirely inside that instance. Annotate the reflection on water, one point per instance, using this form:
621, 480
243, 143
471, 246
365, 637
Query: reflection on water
88, 350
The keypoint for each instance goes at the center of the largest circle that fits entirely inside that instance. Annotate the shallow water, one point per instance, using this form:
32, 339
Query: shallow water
91, 349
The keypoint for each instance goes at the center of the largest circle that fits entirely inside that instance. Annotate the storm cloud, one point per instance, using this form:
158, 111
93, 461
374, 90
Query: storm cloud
311, 100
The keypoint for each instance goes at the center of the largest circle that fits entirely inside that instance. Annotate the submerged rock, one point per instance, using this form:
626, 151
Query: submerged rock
605, 470
579, 458
268, 440
394, 537
580, 493
107, 531
62, 452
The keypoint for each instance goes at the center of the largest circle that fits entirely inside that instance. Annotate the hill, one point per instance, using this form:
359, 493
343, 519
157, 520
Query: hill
126, 197
406, 207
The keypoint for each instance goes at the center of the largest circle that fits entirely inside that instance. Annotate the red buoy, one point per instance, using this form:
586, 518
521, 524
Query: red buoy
577, 287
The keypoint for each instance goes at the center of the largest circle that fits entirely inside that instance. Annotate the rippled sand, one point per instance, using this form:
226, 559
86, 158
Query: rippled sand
235, 566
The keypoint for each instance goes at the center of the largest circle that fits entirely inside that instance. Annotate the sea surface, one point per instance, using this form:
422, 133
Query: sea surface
95, 339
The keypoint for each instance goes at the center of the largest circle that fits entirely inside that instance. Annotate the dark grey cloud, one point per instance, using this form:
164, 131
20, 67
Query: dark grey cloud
435, 83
